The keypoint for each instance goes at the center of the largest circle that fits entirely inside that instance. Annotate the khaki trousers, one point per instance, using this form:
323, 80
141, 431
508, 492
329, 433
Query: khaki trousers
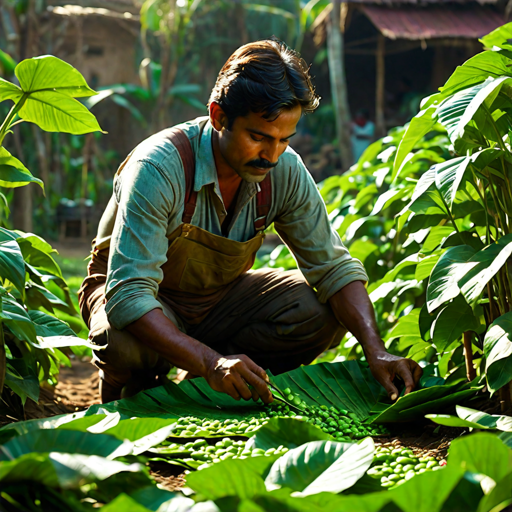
272, 316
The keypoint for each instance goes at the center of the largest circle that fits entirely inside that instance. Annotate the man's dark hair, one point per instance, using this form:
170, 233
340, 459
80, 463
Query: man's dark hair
264, 77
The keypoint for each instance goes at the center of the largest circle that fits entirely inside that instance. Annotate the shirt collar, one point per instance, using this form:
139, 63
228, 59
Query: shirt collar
206, 172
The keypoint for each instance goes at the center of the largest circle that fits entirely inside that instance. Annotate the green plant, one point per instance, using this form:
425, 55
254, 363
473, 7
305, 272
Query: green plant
31, 281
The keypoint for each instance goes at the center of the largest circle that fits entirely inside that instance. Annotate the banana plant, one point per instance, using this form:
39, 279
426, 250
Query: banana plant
31, 338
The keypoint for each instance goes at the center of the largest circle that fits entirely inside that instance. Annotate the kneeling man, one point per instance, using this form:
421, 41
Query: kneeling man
169, 282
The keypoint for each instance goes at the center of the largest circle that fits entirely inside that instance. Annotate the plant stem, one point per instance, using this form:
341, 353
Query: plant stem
492, 317
468, 356
449, 213
6, 125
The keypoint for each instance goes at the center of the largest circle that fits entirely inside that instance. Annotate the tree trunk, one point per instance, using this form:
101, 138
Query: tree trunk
380, 123
335, 56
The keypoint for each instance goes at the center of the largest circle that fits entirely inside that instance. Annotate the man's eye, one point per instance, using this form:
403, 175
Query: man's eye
256, 139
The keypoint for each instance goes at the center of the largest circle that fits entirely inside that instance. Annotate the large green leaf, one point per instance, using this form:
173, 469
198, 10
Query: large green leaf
123, 503
471, 418
481, 453
65, 441
144, 433
18, 321
419, 126
345, 385
498, 352
457, 111
321, 466
426, 492
424, 401
483, 266
12, 265
499, 38
53, 111
450, 268
286, 432
449, 175
64, 470
46, 97
452, 321
13, 173
476, 70
47, 325
26, 386
50, 73
217, 481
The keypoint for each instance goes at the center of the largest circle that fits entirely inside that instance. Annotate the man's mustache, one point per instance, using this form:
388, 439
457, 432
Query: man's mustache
260, 163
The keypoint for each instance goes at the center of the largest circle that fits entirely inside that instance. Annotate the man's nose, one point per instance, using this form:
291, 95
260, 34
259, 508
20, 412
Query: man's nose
271, 153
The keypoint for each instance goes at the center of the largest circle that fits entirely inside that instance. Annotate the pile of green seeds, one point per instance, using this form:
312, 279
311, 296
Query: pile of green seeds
341, 424
200, 451
396, 466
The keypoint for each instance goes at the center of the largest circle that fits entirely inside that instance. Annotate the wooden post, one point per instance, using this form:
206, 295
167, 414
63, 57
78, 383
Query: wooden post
335, 57
380, 123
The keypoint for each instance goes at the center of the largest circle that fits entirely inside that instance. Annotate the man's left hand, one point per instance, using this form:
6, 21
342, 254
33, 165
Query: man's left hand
385, 367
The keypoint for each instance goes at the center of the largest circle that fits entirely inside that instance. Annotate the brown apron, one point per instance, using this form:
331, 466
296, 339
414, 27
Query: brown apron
201, 266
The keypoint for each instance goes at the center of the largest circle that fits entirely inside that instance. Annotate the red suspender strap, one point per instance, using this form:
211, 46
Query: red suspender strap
263, 202
182, 144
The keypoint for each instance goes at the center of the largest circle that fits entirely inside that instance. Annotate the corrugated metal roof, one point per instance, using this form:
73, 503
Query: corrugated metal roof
433, 22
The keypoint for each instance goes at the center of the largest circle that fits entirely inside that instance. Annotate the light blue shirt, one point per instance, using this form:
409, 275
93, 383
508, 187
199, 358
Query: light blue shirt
150, 196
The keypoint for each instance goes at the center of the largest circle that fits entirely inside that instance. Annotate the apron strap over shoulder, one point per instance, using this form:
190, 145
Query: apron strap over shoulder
182, 144
263, 202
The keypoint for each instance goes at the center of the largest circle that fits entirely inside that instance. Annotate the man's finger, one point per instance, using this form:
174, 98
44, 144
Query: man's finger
390, 388
418, 372
258, 384
230, 390
405, 373
258, 370
241, 386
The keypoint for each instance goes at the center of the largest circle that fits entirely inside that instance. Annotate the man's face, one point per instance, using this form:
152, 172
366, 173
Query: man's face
253, 145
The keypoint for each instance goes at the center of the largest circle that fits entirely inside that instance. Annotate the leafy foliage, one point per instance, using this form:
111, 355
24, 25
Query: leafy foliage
30, 338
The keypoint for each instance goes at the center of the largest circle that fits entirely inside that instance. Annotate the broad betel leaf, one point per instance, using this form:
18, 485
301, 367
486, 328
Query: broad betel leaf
419, 126
12, 265
481, 453
483, 266
449, 175
427, 492
452, 321
24, 386
286, 432
9, 91
450, 268
498, 352
499, 38
123, 503
471, 418
65, 441
47, 325
457, 111
217, 481
50, 73
62, 470
475, 71
321, 466
13, 173
53, 111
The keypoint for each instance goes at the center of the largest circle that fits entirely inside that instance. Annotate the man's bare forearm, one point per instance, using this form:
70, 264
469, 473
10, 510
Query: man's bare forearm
229, 374
157, 332
353, 308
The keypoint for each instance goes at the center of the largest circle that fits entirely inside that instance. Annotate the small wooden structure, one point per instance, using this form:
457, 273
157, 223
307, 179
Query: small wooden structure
413, 41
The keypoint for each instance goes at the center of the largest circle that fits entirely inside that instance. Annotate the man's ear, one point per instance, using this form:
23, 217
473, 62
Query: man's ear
218, 118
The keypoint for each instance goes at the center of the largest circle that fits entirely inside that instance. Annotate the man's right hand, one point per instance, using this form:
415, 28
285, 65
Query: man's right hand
232, 374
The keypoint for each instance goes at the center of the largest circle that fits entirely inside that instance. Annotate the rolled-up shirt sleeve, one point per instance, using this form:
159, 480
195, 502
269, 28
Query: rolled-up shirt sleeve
138, 247
304, 226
